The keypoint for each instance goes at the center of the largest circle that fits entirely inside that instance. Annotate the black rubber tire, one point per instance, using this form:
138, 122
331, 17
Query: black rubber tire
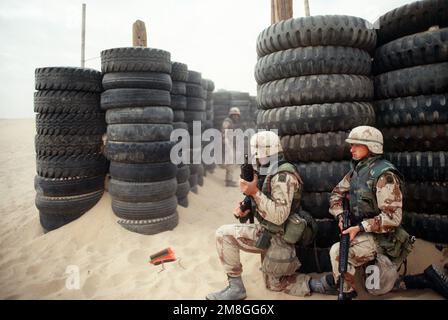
151, 226
327, 233
180, 125
314, 89
68, 78
195, 104
316, 118
143, 80
179, 71
414, 81
48, 145
183, 173
183, 202
67, 187
428, 197
312, 60
182, 190
417, 49
139, 152
314, 259
191, 116
194, 77
195, 90
178, 102
179, 88
411, 18
433, 227
200, 175
330, 146
71, 166
317, 204
138, 59
70, 123
322, 176
193, 180
210, 85
124, 98
139, 132
139, 115
142, 191
54, 212
144, 210
412, 110
432, 137
421, 166
142, 172
56, 101
329, 30
179, 116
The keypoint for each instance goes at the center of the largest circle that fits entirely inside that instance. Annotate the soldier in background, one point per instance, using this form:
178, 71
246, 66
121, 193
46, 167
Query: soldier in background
230, 123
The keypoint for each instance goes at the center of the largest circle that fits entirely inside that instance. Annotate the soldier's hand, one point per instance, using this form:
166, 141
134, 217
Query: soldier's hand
238, 213
249, 188
340, 224
352, 231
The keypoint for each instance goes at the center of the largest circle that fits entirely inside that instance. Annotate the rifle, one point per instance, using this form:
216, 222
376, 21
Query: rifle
247, 173
344, 247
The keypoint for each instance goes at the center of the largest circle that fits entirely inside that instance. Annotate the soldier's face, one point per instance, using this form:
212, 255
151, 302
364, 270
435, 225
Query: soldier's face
359, 151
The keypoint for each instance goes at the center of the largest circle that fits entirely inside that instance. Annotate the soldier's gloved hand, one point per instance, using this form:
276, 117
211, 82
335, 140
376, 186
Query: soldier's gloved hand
238, 213
352, 231
249, 188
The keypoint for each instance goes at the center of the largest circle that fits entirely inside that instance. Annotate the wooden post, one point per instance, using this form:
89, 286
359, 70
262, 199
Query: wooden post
139, 34
307, 8
281, 10
83, 36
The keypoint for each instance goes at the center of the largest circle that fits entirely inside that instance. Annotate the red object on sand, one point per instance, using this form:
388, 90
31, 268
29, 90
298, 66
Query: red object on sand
166, 255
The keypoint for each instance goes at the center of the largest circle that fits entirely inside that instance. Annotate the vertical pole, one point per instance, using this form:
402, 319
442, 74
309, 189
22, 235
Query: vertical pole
83, 36
139, 34
281, 10
307, 8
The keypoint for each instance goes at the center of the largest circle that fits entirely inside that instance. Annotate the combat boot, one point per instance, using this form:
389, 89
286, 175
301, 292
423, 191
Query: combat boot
234, 291
418, 281
438, 280
324, 285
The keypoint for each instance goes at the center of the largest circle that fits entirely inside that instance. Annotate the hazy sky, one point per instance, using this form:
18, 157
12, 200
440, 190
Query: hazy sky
215, 37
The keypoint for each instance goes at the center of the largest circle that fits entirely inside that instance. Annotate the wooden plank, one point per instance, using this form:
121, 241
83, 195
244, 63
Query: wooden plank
281, 10
139, 34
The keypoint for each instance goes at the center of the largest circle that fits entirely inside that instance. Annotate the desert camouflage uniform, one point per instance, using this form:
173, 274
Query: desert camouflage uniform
229, 147
364, 248
230, 239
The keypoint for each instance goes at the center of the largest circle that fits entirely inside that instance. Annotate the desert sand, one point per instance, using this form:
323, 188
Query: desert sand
112, 261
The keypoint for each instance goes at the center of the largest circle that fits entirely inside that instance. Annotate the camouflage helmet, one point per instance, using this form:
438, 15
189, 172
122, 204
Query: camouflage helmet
368, 136
265, 144
234, 110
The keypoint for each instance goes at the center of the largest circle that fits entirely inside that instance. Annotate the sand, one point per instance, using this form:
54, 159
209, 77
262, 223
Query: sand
113, 262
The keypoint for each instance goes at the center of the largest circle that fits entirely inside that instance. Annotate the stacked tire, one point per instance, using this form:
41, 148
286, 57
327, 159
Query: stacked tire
314, 87
70, 125
411, 90
137, 83
209, 124
179, 76
221, 107
195, 112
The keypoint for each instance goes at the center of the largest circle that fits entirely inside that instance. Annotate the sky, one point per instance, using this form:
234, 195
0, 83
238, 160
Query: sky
214, 37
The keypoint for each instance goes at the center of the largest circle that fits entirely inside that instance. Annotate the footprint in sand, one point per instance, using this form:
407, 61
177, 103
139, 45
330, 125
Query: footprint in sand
90, 286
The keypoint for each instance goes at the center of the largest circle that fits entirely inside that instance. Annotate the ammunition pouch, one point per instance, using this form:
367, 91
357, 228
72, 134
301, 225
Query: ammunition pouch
396, 244
294, 228
280, 259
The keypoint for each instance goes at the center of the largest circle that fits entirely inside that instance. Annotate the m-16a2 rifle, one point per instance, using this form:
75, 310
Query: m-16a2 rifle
344, 246
247, 174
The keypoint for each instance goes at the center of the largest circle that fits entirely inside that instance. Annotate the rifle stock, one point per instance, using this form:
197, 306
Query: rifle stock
344, 247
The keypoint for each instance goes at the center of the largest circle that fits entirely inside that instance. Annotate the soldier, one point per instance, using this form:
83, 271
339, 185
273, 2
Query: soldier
276, 191
230, 123
374, 187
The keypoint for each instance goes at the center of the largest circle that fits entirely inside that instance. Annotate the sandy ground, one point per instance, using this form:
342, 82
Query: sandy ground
113, 262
